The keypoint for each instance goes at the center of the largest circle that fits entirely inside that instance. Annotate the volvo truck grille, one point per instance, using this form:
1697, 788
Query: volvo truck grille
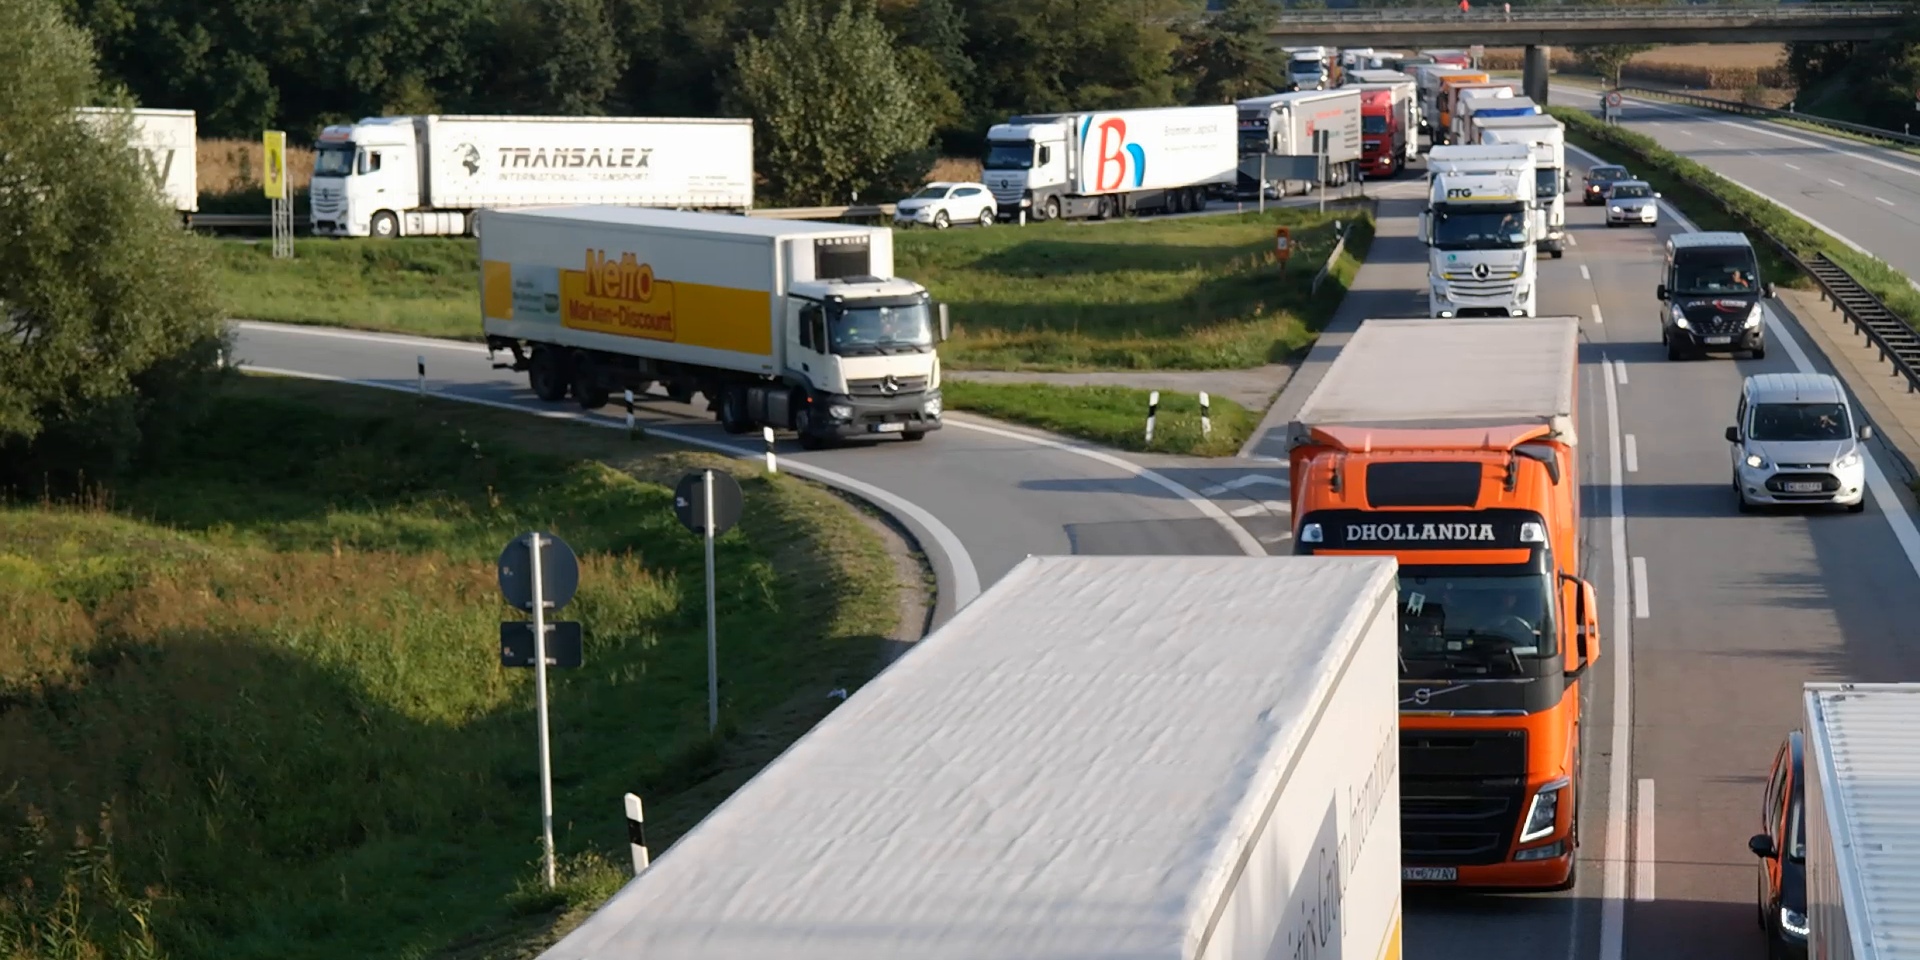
1462, 794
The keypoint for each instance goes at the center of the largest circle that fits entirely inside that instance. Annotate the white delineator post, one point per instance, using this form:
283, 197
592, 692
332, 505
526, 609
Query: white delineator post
766, 434
1206, 421
713, 639
629, 400
1153, 410
637, 834
540, 700
420, 372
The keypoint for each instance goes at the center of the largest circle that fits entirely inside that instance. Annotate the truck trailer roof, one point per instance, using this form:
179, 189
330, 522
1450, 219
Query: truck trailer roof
1072, 767
1860, 748
1449, 374
717, 223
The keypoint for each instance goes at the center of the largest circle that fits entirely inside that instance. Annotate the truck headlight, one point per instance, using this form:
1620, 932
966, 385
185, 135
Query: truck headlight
839, 411
1543, 813
1793, 922
1526, 292
932, 407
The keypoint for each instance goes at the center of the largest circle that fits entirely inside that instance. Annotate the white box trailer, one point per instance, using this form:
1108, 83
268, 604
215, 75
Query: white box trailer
1157, 758
1862, 776
169, 142
1286, 124
429, 175
1107, 164
1548, 139
790, 324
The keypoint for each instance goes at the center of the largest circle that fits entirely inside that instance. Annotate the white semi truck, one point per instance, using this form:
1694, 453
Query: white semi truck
1862, 821
168, 142
1285, 124
789, 324
1098, 757
430, 175
1548, 139
1472, 112
1480, 227
1109, 164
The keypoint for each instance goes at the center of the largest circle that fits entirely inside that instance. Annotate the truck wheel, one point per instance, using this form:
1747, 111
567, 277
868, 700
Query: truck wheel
385, 225
1557, 254
586, 391
546, 375
1051, 211
733, 411
803, 425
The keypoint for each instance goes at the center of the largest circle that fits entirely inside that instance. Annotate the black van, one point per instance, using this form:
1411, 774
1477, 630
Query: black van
1710, 302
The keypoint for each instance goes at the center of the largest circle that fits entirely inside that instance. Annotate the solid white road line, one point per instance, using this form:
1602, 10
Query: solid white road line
1884, 200
1633, 455
1596, 314
1719, 143
1643, 854
1237, 483
1613, 907
431, 343
1790, 166
1620, 368
1640, 588
1835, 182
1584, 275
966, 577
1262, 508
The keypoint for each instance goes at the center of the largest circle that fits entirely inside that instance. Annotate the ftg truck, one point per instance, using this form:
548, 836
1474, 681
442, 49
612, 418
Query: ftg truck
167, 141
1862, 824
1098, 757
788, 324
1480, 227
421, 176
1548, 140
1078, 165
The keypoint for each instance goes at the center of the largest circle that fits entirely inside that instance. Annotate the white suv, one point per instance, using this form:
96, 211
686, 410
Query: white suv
942, 204
1795, 440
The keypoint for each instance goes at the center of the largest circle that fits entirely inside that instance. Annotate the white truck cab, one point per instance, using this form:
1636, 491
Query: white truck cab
1481, 227
1548, 139
366, 166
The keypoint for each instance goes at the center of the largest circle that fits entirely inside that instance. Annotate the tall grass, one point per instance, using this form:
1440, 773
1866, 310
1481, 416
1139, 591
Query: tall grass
253, 706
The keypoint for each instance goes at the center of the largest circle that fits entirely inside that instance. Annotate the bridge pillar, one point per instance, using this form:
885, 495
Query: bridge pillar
1533, 81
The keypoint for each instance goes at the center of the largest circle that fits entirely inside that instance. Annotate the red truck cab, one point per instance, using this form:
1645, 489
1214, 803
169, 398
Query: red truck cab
1383, 137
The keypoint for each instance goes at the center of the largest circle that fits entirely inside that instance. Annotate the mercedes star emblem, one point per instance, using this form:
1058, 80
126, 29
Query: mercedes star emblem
1480, 271
890, 385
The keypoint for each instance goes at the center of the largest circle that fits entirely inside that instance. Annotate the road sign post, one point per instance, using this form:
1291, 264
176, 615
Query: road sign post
708, 504
273, 180
539, 572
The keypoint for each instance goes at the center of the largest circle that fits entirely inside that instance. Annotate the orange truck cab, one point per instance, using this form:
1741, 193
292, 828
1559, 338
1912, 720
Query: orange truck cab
1449, 444
1444, 122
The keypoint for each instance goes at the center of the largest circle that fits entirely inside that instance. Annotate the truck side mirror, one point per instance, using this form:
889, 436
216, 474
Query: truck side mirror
945, 329
1762, 846
1426, 227
1656, 194
1660, 291
1733, 434
1586, 633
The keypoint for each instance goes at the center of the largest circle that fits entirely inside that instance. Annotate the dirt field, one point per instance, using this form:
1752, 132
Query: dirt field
1698, 54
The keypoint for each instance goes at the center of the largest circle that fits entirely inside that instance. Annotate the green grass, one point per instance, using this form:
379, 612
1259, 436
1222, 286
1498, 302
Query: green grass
260, 686
1200, 293
1190, 294
1715, 203
1111, 416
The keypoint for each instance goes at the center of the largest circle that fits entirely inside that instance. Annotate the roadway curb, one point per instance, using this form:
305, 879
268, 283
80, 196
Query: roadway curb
1858, 366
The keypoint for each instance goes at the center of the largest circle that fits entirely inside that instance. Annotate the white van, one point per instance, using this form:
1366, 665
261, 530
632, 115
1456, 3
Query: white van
1796, 440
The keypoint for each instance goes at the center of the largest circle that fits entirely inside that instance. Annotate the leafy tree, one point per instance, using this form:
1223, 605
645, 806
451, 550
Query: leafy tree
572, 69
931, 44
835, 113
111, 327
1606, 59
1041, 55
1229, 55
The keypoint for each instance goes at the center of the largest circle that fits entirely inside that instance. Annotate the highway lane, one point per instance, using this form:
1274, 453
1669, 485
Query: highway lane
1731, 613
1868, 195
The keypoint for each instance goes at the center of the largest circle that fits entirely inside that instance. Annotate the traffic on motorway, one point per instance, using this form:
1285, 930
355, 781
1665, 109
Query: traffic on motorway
1641, 551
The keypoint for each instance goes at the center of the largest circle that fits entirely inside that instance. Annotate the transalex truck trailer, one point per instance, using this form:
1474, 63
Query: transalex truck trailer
1074, 165
1286, 125
1862, 822
1156, 758
414, 176
1480, 227
1548, 140
782, 323
168, 143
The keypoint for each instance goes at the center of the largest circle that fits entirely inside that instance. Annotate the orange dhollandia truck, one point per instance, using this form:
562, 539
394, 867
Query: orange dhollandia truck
1450, 445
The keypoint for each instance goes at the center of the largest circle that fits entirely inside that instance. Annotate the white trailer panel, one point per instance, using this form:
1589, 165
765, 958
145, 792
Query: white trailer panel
1863, 820
474, 162
1481, 371
1296, 116
1161, 148
1189, 758
169, 140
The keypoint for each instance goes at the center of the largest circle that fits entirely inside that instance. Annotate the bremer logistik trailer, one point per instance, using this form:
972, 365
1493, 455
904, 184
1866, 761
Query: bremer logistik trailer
1450, 445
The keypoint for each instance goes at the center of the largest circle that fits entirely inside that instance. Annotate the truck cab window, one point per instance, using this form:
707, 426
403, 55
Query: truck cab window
810, 321
333, 160
369, 161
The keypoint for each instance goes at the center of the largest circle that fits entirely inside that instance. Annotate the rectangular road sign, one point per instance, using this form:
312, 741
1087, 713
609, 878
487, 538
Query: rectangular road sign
564, 648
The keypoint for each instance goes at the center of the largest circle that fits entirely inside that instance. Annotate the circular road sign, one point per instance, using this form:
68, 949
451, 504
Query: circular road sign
559, 572
690, 501
1613, 98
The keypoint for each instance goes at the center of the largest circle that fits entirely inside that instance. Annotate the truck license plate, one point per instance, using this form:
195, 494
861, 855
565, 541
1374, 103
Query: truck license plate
889, 427
1430, 874
1719, 339
1803, 488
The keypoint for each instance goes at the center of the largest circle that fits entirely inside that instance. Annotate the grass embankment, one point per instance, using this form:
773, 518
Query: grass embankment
1112, 416
1715, 203
260, 685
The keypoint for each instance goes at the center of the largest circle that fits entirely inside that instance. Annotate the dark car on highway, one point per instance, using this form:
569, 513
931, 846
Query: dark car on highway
1782, 848
1598, 179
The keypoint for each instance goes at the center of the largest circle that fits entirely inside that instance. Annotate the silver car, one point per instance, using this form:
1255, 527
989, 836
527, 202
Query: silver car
1795, 441
1632, 201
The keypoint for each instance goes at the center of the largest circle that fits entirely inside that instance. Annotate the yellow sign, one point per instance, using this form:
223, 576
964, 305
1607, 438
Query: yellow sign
274, 176
617, 296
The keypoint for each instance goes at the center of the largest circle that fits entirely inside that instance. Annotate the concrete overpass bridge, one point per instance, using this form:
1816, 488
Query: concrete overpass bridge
1538, 28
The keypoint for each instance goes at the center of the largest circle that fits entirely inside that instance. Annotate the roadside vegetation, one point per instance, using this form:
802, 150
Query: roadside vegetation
252, 700
1112, 416
1714, 203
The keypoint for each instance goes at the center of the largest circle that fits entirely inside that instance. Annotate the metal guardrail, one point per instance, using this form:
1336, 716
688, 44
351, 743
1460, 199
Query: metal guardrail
1333, 257
261, 221
1771, 113
1591, 13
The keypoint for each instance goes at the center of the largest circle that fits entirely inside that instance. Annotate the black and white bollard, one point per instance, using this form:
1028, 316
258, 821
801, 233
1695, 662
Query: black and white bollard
637, 834
420, 371
628, 397
1206, 419
1153, 410
766, 433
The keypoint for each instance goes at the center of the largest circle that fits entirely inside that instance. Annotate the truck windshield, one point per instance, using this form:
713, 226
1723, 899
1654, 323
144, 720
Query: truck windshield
1373, 123
1480, 226
1546, 182
1305, 67
869, 331
1484, 622
1704, 272
1009, 155
333, 160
